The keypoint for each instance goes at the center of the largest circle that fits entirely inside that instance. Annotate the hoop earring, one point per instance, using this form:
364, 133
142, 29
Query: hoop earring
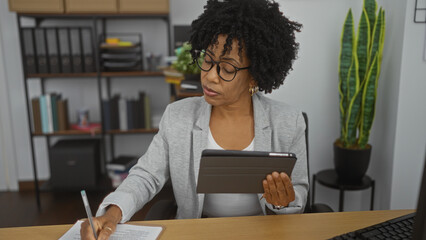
253, 90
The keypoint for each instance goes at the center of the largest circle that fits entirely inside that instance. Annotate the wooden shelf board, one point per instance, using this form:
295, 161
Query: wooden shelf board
67, 132
91, 15
97, 132
61, 75
133, 131
132, 74
93, 75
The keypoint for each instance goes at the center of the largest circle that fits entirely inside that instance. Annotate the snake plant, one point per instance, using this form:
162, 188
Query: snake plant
359, 71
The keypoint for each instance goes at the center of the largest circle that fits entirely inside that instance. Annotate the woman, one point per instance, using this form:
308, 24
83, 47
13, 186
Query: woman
247, 45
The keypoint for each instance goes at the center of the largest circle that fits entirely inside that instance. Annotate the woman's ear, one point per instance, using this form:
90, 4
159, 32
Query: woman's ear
252, 82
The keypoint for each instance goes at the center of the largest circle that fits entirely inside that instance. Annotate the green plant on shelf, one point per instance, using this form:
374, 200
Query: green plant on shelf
184, 63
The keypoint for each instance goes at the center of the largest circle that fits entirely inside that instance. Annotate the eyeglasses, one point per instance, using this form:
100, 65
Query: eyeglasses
227, 71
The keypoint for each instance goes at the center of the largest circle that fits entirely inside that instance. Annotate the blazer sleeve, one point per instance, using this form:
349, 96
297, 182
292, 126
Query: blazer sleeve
299, 177
145, 179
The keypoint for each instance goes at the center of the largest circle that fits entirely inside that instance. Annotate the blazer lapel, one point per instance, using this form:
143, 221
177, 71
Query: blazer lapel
262, 134
262, 130
199, 143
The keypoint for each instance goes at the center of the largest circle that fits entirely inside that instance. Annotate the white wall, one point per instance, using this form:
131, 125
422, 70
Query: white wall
384, 128
8, 173
409, 151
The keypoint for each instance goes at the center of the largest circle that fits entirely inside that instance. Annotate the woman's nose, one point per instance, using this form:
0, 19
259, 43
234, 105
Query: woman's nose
212, 75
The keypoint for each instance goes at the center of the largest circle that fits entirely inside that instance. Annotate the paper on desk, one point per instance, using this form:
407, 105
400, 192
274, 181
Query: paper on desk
123, 231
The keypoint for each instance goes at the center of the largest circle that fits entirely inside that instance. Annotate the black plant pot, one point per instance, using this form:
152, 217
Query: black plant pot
192, 77
351, 164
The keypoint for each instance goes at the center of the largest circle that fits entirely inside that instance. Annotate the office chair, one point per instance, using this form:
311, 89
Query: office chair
166, 209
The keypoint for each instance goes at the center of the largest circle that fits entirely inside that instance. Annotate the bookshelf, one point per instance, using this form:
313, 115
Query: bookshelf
103, 81
94, 74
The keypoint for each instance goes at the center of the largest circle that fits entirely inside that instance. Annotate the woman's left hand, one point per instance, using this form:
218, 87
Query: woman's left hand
278, 189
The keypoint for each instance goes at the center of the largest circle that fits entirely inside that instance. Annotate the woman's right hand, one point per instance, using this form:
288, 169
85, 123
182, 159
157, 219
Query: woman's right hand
104, 225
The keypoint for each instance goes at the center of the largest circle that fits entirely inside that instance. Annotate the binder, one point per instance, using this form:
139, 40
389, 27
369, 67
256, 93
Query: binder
87, 43
64, 50
53, 50
76, 49
29, 45
41, 50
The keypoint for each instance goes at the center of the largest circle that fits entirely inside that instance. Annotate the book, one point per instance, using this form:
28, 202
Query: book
49, 113
106, 108
136, 114
147, 112
92, 128
122, 111
43, 114
63, 122
115, 120
141, 109
35, 102
122, 163
54, 100
130, 114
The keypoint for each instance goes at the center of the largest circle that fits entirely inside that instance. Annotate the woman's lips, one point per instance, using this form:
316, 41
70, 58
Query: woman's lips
209, 92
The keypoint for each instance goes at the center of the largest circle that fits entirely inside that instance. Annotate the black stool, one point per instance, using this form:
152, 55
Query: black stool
329, 179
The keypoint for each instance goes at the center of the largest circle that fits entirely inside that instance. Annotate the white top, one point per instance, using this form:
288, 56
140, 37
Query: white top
234, 204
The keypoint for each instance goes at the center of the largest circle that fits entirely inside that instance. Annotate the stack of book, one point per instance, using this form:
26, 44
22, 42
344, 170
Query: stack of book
127, 114
118, 168
50, 113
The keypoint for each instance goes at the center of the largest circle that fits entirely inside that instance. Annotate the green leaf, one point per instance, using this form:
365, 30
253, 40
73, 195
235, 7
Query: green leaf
354, 98
369, 102
370, 7
363, 42
377, 36
346, 53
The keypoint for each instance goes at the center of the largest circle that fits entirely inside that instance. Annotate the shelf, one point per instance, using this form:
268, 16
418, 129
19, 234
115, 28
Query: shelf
106, 46
67, 133
164, 15
132, 74
61, 75
96, 132
133, 131
93, 75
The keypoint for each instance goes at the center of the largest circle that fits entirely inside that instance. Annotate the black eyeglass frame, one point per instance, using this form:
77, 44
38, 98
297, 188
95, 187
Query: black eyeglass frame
217, 65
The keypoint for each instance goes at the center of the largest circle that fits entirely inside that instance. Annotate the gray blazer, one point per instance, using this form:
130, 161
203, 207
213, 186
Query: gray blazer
175, 153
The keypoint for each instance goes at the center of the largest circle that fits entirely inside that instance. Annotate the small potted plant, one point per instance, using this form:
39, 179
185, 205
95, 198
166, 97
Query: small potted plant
359, 71
184, 63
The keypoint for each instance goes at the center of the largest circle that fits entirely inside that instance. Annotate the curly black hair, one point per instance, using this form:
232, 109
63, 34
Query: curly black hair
265, 33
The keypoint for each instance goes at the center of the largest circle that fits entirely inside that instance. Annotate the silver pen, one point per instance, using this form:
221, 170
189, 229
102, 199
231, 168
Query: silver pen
88, 211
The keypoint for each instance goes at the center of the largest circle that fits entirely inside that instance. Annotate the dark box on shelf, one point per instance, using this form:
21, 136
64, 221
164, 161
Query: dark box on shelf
75, 164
